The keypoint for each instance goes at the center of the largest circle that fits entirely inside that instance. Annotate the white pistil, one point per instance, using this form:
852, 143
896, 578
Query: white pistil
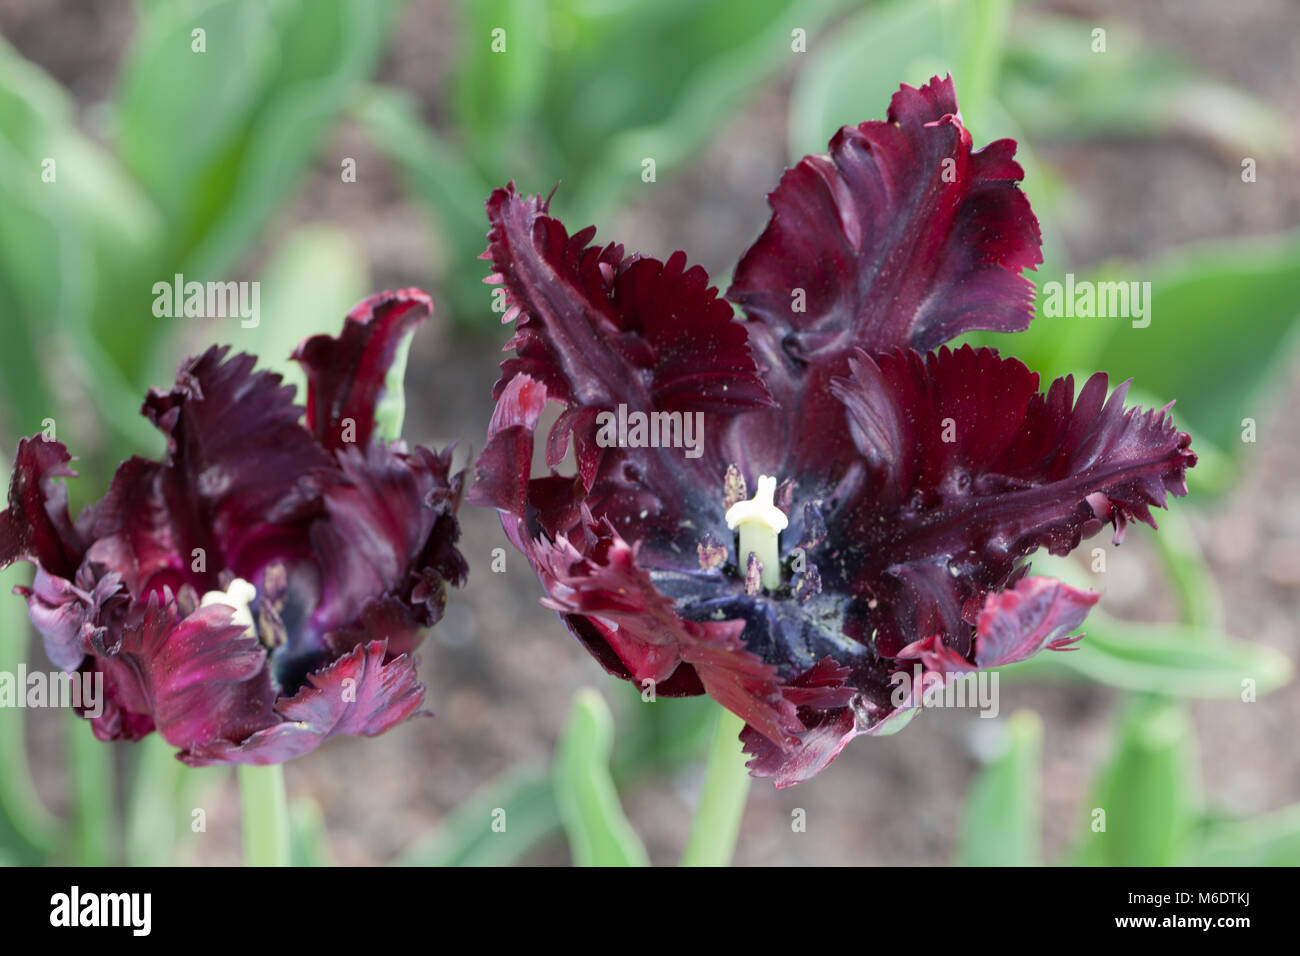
760, 523
239, 596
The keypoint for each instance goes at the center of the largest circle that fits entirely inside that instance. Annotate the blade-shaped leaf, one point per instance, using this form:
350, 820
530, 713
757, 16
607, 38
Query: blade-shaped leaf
1174, 659
75, 232
268, 84
1271, 839
27, 829
1221, 327
599, 833
497, 826
1143, 809
316, 276
308, 836
1002, 817
856, 71
1061, 88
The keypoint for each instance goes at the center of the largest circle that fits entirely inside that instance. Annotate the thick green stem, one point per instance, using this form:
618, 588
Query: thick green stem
266, 816
154, 811
92, 779
722, 803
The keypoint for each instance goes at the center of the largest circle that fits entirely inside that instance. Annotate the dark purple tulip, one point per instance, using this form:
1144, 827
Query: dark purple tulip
901, 484
264, 586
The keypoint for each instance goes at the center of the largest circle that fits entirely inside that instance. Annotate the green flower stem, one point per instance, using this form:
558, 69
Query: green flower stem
1190, 574
722, 803
154, 811
24, 820
92, 780
266, 816
599, 832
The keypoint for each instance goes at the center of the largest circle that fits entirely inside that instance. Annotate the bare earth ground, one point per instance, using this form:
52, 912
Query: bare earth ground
501, 670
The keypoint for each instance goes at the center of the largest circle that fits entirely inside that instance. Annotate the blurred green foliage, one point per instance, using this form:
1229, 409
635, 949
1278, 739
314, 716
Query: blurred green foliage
1002, 814
192, 165
582, 94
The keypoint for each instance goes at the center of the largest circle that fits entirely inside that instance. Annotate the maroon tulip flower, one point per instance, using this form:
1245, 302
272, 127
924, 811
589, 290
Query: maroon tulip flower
897, 485
264, 586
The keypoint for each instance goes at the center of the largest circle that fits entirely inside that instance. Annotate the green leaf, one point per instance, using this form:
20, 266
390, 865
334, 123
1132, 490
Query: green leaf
712, 840
92, 836
255, 109
166, 86
856, 72
1002, 816
685, 68
675, 57
1222, 327
26, 827
1188, 570
661, 735
1146, 798
160, 806
1180, 660
391, 408
1174, 659
599, 833
308, 836
497, 826
446, 184
547, 109
74, 233
317, 275
495, 90
1268, 840
1061, 89
980, 57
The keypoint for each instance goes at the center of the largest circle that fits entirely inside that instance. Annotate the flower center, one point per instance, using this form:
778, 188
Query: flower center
760, 523
239, 596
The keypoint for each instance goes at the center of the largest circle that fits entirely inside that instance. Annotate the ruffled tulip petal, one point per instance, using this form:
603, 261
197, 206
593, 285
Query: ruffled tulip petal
901, 236
36, 525
904, 490
1037, 613
605, 585
357, 694
196, 675
818, 746
229, 493
598, 328
346, 374
335, 555
973, 469
70, 617
378, 538
602, 331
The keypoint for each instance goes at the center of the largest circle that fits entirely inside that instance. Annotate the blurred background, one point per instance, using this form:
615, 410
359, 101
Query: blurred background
1159, 143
